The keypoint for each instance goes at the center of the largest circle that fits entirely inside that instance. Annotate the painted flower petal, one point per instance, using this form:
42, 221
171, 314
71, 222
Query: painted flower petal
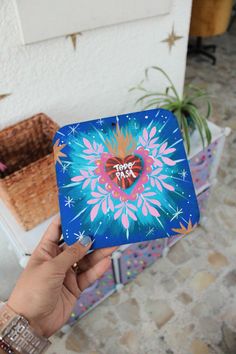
125, 221
163, 147
77, 179
86, 183
96, 195
92, 201
168, 161
159, 186
168, 186
145, 134
153, 211
131, 214
169, 151
104, 206
153, 132
94, 212
142, 141
117, 214
87, 143
110, 204
144, 210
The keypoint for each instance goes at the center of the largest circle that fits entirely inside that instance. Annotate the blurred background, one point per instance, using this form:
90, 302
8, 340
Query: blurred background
76, 61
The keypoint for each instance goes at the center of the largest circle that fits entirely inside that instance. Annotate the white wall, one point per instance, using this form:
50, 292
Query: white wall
92, 81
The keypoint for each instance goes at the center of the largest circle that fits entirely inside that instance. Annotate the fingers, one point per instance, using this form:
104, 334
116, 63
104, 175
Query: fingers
72, 254
93, 258
87, 278
53, 232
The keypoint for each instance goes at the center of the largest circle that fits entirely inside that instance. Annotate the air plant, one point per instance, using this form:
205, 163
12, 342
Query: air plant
186, 108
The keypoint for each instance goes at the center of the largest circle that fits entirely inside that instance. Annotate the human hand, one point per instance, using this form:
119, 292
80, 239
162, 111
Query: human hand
49, 287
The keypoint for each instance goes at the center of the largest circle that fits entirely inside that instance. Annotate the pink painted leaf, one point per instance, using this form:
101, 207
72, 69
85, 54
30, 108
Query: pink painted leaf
94, 211
131, 214
96, 195
169, 151
154, 201
131, 206
161, 177
153, 211
117, 214
100, 149
110, 204
145, 134
87, 143
85, 184
149, 194
142, 141
77, 179
158, 163
101, 190
152, 181
156, 172
162, 148
159, 186
168, 161
168, 186
153, 141
144, 210
84, 173
153, 132
139, 202
104, 206
92, 201
93, 183
88, 151
93, 158
125, 221
94, 145
154, 152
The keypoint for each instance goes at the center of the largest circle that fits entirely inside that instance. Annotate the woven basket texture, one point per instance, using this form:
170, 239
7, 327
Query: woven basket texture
28, 185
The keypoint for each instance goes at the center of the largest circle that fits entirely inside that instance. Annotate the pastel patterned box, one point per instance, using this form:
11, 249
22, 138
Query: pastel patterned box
121, 176
92, 296
137, 257
201, 165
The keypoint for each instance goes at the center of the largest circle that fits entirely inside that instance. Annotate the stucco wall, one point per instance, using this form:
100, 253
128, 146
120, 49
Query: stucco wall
92, 81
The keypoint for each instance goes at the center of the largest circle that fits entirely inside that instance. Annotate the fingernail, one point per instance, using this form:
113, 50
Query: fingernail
85, 241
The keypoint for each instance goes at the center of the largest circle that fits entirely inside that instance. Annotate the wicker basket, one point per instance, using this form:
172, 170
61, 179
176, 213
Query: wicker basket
28, 185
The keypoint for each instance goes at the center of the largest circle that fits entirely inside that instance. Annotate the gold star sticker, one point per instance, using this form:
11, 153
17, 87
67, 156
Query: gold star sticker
57, 151
172, 38
73, 37
185, 230
4, 95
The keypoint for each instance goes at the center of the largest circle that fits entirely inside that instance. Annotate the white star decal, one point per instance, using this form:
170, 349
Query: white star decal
177, 213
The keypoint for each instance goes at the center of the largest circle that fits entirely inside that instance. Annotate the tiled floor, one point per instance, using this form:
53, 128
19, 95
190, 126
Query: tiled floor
185, 303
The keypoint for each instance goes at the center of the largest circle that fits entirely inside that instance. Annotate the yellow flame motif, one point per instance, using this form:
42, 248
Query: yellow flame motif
121, 144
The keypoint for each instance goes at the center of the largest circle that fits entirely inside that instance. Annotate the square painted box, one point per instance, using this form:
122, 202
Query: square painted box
120, 176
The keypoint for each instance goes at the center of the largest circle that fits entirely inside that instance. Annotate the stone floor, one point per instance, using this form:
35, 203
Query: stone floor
185, 303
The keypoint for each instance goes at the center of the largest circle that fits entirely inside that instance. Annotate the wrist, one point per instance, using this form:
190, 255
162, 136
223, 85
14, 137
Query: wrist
16, 332
32, 322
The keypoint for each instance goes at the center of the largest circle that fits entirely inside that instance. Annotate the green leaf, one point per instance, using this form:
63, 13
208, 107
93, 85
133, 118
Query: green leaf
166, 76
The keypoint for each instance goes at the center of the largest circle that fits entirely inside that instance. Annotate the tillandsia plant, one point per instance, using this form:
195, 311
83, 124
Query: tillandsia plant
186, 108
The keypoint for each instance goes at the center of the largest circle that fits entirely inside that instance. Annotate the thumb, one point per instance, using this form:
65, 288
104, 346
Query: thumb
72, 254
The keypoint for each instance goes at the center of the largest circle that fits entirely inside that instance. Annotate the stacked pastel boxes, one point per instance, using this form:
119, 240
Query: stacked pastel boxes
130, 260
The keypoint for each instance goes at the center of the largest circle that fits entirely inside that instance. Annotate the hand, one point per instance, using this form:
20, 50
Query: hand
49, 287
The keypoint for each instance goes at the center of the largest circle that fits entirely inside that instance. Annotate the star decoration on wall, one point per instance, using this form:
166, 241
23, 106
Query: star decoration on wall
171, 39
57, 150
73, 37
4, 95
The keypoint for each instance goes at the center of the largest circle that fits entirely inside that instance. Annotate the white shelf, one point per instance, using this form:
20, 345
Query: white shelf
24, 242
